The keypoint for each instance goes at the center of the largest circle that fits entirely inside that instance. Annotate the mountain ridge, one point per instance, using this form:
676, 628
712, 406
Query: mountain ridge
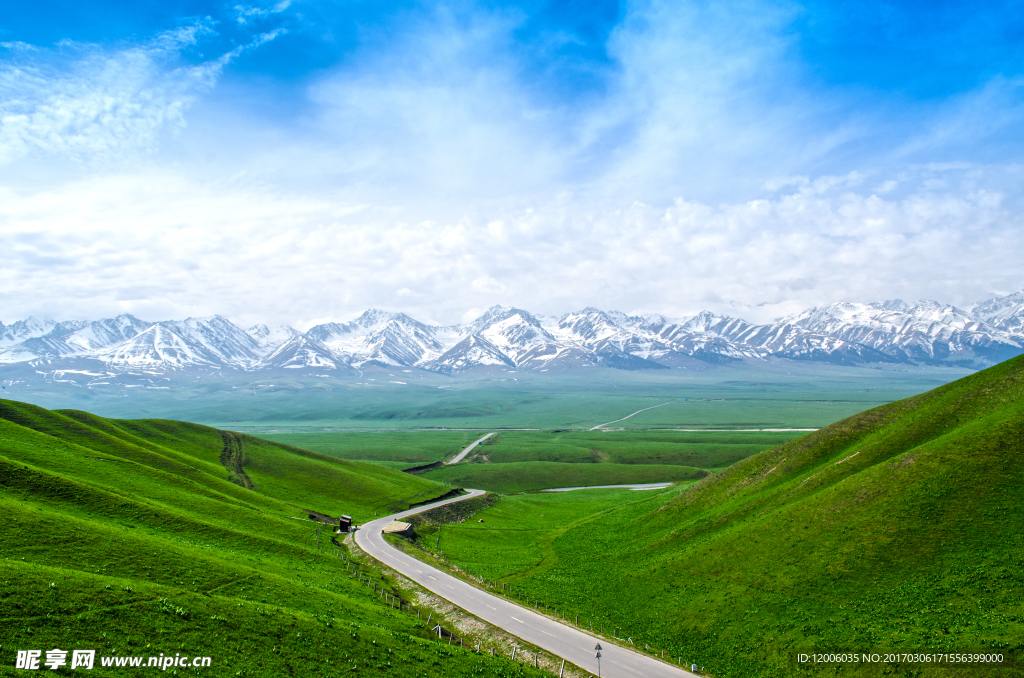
847, 333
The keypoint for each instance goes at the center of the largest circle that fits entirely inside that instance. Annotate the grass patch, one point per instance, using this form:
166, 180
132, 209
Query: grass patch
536, 475
701, 450
412, 448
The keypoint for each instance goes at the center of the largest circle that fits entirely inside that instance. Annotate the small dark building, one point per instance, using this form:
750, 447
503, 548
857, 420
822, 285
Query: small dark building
344, 523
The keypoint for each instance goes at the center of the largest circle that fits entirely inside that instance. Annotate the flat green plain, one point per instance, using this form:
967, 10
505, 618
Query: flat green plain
762, 394
515, 461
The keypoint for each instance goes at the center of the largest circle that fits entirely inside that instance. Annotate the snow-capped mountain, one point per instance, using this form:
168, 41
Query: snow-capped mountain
1004, 313
927, 332
269, 340
193, 342
380, 337
301, 351
75, 337
924, 332
17, 332
472, 351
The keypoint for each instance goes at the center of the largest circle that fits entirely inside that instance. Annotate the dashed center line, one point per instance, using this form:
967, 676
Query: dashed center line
519, 620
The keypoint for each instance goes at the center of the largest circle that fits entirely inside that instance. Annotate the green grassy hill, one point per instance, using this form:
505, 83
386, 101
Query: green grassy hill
142, 537
897, 529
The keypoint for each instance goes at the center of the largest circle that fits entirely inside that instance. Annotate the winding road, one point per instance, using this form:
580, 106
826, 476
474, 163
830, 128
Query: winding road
598, 427
575, 646
462, 455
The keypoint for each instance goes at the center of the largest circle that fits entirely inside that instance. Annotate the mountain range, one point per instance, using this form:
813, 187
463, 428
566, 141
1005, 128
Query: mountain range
926, 332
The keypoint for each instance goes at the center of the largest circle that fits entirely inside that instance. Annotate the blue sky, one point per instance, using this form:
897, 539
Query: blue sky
298, 161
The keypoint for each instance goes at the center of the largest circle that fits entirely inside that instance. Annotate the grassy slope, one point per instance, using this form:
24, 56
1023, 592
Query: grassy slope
515, 542
403, 448
899, 528
532, 475
126, 537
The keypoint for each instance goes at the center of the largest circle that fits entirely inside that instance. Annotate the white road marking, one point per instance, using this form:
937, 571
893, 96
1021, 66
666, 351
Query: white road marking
519, 620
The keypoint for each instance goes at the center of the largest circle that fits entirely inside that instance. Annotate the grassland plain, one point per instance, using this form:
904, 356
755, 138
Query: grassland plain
129, 538
515, 461
761, 394
898, 529
703, 449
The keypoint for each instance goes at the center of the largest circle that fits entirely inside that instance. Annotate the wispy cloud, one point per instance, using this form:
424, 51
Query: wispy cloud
83, 103
245, 14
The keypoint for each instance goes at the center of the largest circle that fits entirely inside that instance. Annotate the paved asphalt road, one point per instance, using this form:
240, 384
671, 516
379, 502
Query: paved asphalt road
462, 455
565, 641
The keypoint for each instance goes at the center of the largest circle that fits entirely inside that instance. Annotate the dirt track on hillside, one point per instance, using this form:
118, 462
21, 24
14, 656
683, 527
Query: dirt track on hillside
232, 457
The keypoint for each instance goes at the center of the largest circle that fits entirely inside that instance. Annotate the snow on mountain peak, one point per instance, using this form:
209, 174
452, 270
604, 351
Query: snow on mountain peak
1005, 313
268, 340
843, 332
19, 331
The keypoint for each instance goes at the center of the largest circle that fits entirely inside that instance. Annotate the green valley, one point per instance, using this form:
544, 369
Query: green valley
897, 529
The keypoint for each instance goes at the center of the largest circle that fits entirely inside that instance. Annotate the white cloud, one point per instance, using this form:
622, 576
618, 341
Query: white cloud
432, 177
256, 255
